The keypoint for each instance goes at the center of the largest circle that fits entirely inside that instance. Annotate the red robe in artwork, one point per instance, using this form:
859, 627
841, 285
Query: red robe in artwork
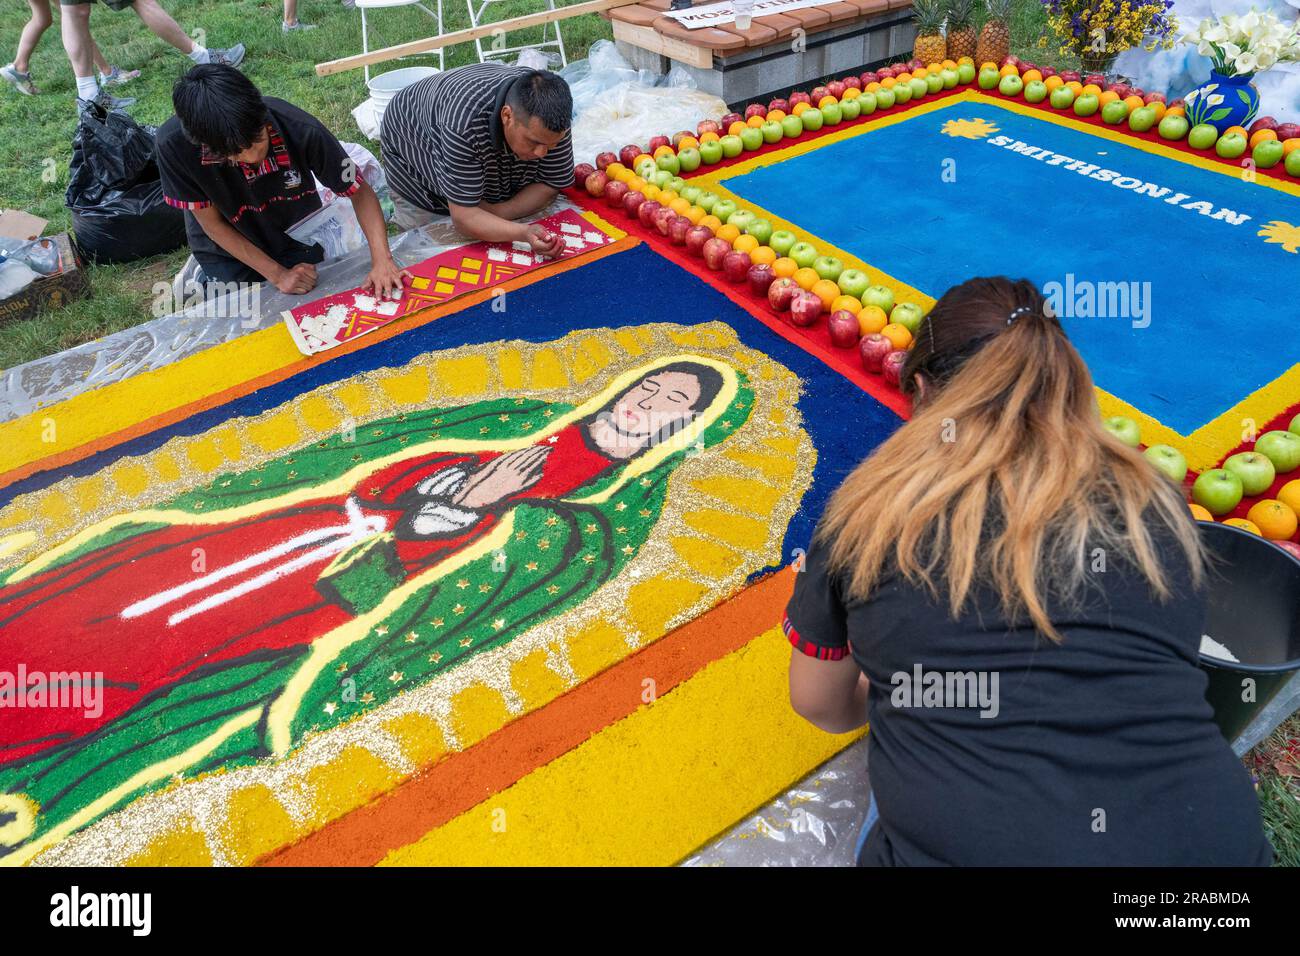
140, 613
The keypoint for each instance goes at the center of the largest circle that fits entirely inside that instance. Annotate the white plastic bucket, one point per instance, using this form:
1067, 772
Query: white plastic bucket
387, 85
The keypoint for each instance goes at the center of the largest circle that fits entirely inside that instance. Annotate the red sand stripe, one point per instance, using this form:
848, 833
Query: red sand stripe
465, 779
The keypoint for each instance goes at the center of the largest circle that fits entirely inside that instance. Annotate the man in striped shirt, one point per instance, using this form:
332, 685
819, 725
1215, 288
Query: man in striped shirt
488, 144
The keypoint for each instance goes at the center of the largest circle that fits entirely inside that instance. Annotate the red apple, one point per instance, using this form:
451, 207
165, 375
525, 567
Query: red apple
1264, 122
1287, 131
843, 327
1154, 98
595, 183
1026, 66
836, 88
799, 97
1179, 102
806, 308
735, 265
663, 220
1290, 547
715, 251
760, 276
892, 366
780, 294
779, 104
680, 135
1070, 76
755, 109
582, 171
818, 93
867, 78
914, 64
656, 142
614, 193
1095, 79
696, 237
678, 227
632, 203
873, 348
1047, 71
707, 126
628, 154
645, 212
1120, 89
850, 82
604, 159
1010, 60
730, 118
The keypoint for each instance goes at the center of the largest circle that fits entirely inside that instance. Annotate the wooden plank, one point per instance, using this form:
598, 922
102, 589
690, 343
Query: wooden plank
638, 14
839, 12
870, 8
649, 39
710, 38
811, 19
758, 34
464, 36
782, 24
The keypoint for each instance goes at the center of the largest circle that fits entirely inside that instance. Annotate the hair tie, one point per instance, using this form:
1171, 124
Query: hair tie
1023, 310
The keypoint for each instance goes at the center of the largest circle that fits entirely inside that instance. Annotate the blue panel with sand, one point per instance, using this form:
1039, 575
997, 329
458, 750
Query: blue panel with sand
1221, 318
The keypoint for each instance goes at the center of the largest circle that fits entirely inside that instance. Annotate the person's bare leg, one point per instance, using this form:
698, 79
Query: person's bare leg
75, 27
160, 22
32, 33
97, 57
291, 12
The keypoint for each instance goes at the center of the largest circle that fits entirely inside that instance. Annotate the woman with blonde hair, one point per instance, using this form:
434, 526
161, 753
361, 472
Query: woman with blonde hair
1014, 600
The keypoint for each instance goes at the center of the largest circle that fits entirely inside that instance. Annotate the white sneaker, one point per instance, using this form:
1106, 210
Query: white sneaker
21, 81
296, 26
118, 77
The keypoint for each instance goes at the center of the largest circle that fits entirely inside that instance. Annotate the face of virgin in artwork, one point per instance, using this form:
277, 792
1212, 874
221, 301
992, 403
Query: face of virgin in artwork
662, 401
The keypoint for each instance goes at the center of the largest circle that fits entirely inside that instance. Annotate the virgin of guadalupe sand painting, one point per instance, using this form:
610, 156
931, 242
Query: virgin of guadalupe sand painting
244, 623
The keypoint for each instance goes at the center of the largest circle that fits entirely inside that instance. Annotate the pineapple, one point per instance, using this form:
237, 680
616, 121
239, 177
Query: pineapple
929, 46
995, 36
961, 29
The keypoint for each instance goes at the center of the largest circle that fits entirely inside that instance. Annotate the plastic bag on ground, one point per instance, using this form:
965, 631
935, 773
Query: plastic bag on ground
14, 277
335, 225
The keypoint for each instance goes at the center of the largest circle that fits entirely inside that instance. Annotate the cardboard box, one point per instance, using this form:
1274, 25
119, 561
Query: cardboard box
52, 292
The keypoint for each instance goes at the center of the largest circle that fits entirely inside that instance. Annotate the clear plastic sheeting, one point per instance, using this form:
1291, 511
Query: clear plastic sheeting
815, 823
157, 343
614, 104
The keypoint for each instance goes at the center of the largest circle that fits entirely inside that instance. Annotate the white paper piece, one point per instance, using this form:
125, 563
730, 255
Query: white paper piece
720, 14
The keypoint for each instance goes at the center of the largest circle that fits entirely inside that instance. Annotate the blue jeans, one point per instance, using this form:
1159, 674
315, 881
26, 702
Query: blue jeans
873, 815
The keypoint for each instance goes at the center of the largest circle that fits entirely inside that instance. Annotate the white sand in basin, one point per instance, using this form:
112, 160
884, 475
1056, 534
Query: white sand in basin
1212, 648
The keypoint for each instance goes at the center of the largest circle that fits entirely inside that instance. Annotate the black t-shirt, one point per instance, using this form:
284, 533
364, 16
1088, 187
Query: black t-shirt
262, 201
1100, 750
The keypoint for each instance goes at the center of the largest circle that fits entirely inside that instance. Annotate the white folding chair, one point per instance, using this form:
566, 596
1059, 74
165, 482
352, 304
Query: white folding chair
364, 5
477, 11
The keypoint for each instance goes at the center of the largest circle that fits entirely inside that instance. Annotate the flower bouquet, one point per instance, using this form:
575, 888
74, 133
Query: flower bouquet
1097, 31
1238, 47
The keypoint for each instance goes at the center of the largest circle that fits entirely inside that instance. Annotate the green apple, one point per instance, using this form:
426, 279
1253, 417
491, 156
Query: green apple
851, 109
804, 254
965, 73
1202, 136
885, 98
1114, 112
692, 194
908, 315
772, 131
690, 159
1268, 153
677, 184
1292, 163
1125, 429
752, 138
1142, 119
660, 177
1217, 491
812, 119
1294, 427
732, 145
760, 229
670, 163
741, 218
792, 127
1011, 85
902, 92
868, 103
1231, 145
1035, 91
828, 267
950, 77
647, 168
919, 87
1169, 461
853, 282
989, 78
1173, 128
880, 296
1254, 469
711, 151
934, 82
723, 209
1281, 448
1086, 105
782, 241
1062, 98
832, 113
707, 201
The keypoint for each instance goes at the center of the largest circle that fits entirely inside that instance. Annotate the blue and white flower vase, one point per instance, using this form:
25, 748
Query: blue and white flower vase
1223, 101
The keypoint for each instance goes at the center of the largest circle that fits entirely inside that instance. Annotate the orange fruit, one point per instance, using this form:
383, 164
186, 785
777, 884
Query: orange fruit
1076, 86
1260, 136
1236, 129
1159, 107
1175, 111
613, 169
921, 73
874, 85
1200, 513
965, 59
651, 191
666, 196
736, 128
1243, 524
1107, 96
872, 319
904, 77
852, 93
636, 183
709, 137
827, 291
950, 64
640, 159
784, 268
897, 334
1290, 144
776, 115
763, 255
846, 302
713, 222
745, 244
757, 121
1289, 494
688, 142
679, 205
987, 65
1094, 89
1031, 75
665, 150
1133, 103
1275, 520
1052, 82
1009, 70
888, 82
729, 232
695, 214
800, 108
826, 100
807, 278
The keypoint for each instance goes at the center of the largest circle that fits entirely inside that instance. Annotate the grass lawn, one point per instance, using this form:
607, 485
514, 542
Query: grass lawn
37, 141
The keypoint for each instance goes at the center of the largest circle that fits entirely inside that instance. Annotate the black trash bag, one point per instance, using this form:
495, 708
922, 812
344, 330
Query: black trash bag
114, 193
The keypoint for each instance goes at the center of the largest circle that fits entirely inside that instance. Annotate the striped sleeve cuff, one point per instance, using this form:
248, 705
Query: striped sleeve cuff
351, 190
808, 647
182, 204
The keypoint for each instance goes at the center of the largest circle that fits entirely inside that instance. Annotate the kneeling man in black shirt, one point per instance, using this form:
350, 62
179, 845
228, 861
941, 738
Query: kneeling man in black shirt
242, 168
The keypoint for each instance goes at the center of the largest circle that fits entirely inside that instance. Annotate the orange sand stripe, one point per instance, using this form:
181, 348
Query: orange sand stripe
465, 779
180, 413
